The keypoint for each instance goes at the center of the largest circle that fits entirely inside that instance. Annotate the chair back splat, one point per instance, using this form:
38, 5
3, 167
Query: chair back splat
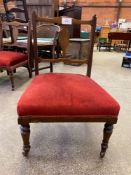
65, 97
64, 38
45, 38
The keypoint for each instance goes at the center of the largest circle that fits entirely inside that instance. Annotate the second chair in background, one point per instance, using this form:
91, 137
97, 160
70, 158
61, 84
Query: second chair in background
46, 37
10, 60
103, 42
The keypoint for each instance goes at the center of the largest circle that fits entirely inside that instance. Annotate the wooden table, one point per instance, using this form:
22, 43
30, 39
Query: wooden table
120, 36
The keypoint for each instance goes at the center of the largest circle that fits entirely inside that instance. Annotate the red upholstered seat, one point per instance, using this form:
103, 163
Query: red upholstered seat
11, 58
66, 94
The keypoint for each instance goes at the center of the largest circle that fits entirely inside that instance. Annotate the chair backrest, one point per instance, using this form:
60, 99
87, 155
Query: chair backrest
47, 39
64, 38
14, 12
47, 30
19, 41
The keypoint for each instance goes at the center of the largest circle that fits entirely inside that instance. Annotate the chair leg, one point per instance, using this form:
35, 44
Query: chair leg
11, 79
25, 133
122, 63
14, 70
108, 129
51, 67
99, 48
1, 70
109, 48
29, 70
7, 72
53, 56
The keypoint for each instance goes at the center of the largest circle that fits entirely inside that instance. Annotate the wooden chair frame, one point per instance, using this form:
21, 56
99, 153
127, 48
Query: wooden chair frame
24, 121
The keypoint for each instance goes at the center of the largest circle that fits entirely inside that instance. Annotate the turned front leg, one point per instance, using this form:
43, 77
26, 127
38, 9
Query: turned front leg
25, 133
108, 129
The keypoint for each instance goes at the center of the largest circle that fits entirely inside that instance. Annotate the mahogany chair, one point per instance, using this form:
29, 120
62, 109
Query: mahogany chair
66, 97
10, 60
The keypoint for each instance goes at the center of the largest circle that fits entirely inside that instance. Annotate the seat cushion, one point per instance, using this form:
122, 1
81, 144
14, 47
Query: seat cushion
65, 94
10, 58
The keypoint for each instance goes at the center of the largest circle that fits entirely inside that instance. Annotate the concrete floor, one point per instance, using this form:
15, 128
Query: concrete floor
66, 148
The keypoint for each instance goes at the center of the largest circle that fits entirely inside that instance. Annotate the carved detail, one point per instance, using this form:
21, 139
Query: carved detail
108, 129
25, 133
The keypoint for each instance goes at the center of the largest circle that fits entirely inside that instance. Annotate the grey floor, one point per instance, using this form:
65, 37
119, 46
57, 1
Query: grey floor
66, 148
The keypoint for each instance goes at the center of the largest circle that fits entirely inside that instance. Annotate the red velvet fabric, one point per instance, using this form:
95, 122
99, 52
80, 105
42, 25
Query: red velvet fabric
10, 58
65, 94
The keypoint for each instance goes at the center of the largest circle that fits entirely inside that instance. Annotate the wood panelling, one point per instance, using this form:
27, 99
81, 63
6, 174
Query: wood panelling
104, 9
42, 8
47, 8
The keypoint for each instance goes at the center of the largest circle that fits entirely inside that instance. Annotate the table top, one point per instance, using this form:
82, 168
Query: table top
78, 39
40, 41
119, 35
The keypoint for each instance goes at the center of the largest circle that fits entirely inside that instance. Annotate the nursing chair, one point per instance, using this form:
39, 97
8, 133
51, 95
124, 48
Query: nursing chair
66, 97
10, 60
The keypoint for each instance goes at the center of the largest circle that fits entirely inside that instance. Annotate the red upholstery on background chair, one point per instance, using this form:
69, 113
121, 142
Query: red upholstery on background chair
10, 58
66, 97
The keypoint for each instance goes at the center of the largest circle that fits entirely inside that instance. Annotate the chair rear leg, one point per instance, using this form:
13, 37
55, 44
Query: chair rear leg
53, 56
51, 67
99, 48
25, 133
7, 72
108, 129
29, 70
122, 63
14, 70
11, 79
